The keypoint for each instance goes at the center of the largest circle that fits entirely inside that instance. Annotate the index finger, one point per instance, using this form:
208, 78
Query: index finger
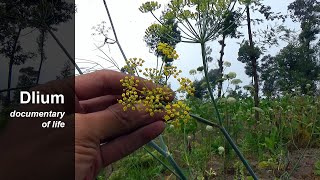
104, 82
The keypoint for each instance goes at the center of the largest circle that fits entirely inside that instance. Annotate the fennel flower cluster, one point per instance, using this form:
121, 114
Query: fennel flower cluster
149, 6
167, 50
186, 86
178, 112
133, 64
171, 71
152, 100
138, 96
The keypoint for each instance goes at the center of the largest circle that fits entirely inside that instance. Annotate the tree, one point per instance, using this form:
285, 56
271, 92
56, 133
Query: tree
229, 28
16, 16
253, 58
307, 12
269, 75
296, 66
66, 71
200, 85
12, 23
166, 32
249, 52
289, 70
27, 79
245, 54
46, 14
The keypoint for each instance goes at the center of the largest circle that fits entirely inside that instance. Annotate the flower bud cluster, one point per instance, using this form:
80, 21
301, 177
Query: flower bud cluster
186, 86
138, 96
154, 99
133, 65
171, 71
167, 50
152, 74
130, 95
149, 6
178, 111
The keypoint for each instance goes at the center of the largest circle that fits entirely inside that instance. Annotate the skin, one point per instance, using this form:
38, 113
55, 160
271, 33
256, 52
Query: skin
125, 131
104, 133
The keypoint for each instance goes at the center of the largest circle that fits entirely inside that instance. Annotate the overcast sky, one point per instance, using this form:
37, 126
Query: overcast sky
130, 24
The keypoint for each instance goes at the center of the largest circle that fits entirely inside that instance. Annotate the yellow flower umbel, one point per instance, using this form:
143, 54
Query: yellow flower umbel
186, 86
133, 65
152, 74
177, 111
130, 95
168, 51
171, 71
155, 100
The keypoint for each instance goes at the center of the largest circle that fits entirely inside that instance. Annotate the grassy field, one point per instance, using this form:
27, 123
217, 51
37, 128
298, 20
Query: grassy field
283, 144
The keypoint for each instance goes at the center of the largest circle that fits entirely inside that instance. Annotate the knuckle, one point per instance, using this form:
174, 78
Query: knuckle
84, 108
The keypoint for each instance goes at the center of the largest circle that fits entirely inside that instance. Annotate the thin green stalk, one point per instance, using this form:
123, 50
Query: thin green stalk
192, 40
222, 129
235, 148
64, 49
204, 121
152, 143
170, 159
205, 66
229, 139
157, 62
179, 171
190, 29
185, 141
161, 67
164, 164
164, 146
114, 32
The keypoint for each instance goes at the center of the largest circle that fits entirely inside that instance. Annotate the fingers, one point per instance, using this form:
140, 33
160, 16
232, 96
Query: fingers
113, 121
125, 145
105, 82
99, 103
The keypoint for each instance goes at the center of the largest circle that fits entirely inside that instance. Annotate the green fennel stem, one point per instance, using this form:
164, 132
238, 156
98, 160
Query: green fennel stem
222, 129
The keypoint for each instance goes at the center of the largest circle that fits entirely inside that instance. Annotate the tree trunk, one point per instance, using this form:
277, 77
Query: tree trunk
42, 55
254, 65
220, 62
11, 63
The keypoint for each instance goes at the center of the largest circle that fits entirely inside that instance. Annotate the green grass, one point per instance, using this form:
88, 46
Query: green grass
286, 124
317, 168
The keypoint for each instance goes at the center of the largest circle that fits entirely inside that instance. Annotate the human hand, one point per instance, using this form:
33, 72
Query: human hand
92, 116
100, 117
